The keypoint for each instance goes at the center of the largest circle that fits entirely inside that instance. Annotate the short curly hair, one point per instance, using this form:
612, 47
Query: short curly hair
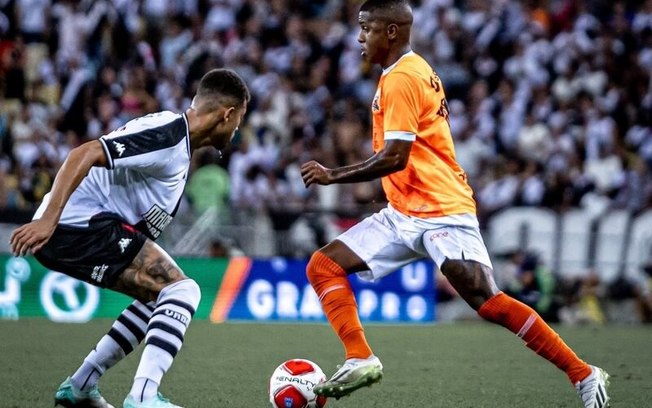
223, 86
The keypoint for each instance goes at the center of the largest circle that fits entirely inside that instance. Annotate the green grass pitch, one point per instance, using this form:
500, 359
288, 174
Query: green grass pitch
467, 365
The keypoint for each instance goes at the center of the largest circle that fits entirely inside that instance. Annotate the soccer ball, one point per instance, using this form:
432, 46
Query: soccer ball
292, 382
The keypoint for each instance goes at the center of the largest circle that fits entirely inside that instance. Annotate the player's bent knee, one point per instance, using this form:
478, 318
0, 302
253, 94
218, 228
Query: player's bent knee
186, 290
192, 288
325, 275
312, 269
317, 268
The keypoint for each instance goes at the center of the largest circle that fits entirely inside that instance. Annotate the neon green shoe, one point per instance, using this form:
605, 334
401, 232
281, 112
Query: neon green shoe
354, 374
70, 397
157, 402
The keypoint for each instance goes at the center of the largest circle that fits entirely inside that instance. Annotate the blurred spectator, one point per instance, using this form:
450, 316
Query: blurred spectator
550, 102
644, 293
534, 285
136, 99
223, 248
585, 306
502, 190
208, 186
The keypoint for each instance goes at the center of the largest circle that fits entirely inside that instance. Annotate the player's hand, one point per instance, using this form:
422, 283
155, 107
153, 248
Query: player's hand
314, 173
31, 237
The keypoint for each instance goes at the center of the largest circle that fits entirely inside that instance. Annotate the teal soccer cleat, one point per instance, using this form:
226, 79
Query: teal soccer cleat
157, 402
70, 397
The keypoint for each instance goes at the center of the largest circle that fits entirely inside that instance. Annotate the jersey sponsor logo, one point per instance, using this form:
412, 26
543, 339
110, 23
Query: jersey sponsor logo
98, 272
435, 81
123, 244
436, 235
119, 147
156, 220
375, 104
443, 109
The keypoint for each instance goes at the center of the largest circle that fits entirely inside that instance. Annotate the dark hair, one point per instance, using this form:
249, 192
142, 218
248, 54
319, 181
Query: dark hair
371, 6
390, 11
223, 83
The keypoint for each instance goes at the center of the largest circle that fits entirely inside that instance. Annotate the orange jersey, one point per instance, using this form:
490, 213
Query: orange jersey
410, 105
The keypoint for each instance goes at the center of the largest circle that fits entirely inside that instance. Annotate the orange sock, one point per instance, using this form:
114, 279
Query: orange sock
523, 321
338, 302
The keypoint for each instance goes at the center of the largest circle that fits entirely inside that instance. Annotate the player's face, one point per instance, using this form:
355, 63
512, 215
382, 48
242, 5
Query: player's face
372, 38
225, 131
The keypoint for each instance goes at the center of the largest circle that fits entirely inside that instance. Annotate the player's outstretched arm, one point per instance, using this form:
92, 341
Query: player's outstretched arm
392, 158
31, 237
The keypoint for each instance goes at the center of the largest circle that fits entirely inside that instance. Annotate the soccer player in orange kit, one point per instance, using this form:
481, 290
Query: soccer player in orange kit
431, 213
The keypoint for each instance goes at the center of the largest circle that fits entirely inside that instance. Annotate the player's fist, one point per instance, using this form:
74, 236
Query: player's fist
314, 173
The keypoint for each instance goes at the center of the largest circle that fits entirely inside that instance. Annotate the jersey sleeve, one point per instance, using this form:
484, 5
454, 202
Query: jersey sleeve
401, 94
143, 142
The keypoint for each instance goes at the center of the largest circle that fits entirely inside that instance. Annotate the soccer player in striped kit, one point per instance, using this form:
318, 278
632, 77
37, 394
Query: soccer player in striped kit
431, 213
110, 200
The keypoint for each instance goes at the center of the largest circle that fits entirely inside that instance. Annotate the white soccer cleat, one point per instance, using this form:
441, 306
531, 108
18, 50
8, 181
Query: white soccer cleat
355, 373
593, 389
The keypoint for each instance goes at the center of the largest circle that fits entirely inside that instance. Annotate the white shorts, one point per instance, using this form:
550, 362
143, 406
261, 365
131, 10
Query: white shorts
389, 240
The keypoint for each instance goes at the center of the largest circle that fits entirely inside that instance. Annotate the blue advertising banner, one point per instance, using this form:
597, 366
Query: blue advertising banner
278, 290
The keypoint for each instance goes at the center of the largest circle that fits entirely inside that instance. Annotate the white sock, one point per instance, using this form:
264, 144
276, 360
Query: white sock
148, 388
175, 307
126, 333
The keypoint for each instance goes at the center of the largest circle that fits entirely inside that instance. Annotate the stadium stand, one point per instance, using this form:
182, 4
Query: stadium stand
550, 104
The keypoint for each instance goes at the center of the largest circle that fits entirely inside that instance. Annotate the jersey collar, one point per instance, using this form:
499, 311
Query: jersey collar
185, 119
389, 68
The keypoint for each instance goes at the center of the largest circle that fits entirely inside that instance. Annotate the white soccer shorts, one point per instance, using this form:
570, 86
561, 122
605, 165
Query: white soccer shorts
389, 240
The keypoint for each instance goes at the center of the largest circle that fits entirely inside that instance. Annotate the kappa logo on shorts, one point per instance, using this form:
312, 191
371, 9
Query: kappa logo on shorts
98, 272
123, 244
119, 147
437, 235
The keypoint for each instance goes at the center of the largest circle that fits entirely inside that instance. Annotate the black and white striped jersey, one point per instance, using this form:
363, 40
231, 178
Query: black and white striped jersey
148, 164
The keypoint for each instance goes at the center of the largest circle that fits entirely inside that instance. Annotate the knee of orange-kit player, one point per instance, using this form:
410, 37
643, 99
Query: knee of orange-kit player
324, 274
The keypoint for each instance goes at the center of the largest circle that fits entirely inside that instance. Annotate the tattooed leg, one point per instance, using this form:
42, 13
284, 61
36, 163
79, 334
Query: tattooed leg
153, 277
145, 279
151, 271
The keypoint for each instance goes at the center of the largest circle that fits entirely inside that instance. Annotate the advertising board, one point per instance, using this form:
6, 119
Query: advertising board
237, 289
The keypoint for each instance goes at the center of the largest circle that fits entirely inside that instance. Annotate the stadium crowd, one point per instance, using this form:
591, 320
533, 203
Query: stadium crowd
550, 101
